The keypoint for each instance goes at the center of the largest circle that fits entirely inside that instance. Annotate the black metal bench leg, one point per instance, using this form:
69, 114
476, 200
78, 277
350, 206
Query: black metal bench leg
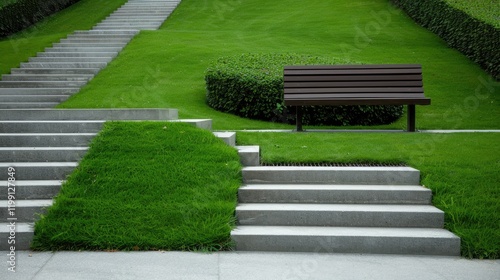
411, 118
298, 112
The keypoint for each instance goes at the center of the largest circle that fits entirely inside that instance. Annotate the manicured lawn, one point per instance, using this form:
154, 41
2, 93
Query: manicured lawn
80, 16
166, 68
486, 10
146, 186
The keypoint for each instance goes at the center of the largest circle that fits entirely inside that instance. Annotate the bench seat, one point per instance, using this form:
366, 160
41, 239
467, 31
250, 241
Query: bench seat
335, 85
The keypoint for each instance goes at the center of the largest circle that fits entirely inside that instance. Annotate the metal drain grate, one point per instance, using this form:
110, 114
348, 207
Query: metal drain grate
334, 164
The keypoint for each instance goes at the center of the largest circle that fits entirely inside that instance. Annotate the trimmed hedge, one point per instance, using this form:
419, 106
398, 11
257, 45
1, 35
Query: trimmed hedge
23, 13
478, 40
251, 86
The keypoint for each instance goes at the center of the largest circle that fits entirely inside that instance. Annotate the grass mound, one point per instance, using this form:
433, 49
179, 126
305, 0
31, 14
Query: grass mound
146, 186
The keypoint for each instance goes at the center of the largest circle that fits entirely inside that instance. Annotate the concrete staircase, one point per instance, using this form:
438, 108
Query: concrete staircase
44, 146
60, 71
376, 210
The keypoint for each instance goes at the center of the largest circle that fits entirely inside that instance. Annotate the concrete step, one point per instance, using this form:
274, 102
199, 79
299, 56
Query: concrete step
100, 36
41, 84
45, 189
95, 41
413, 241
331, 175
24, 210
70, 59
342, 194
83, 49
249, 155
124, 27
228, 137
42, 154
56, 65
56, 71
131, 21
199, 123
38, 91
47, 77
23, 233
66, 126
89, 45
77, 54
90, 114
45, 139
33, 98
31, 171
27, 105
340, 215
97, 32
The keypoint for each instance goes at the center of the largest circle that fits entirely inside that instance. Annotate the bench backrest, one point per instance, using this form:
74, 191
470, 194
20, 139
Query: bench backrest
354, 85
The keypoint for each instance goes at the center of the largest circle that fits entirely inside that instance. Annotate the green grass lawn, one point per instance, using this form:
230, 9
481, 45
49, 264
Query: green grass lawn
485, 10
166, 68
146, 186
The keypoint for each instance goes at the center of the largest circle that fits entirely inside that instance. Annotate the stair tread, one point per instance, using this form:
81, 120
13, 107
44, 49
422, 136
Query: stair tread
285, 187
20, 227
34, 183
37, 164
342, 231
20, 203
43, 148
337, 207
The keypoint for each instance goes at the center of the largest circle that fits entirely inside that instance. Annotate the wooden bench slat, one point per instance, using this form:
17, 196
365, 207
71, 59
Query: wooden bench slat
352, 90
351, 71
361, 101
409, 77
350, 96
354, 84
355, 66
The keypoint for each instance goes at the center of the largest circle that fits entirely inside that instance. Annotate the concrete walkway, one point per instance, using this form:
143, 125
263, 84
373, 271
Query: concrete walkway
242, 265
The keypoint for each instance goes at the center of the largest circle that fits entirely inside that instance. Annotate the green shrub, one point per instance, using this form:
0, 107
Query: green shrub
251, 86
22, 13
473, 37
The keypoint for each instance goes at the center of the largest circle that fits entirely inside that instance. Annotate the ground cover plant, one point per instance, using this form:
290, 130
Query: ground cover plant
83, 15
146, 186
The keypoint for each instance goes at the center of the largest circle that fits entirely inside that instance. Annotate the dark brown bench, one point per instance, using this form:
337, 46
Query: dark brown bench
397, 84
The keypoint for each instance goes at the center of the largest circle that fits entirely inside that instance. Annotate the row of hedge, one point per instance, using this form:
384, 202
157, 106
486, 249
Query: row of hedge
23, 13
251, 86
476, 39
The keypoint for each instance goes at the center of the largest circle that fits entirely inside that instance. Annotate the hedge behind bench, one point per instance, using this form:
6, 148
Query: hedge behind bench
251, 86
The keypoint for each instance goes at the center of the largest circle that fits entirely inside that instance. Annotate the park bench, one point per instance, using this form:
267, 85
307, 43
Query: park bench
335, 85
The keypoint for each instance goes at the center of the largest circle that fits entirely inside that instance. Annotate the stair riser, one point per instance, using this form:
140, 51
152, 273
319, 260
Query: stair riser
102, 36
33, 98
330, 176
90, 114
40, 84
61, 71
55, 65
92, 45
350, 244
42, 155
341, 219
59, 172
23, 240
28, 105
23, 214
93, 41
83, 49
125, 27
335, 196
77, 54
38, 91
34, 192
46, 78
45, 141
50, 127
94, 32
71, 59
